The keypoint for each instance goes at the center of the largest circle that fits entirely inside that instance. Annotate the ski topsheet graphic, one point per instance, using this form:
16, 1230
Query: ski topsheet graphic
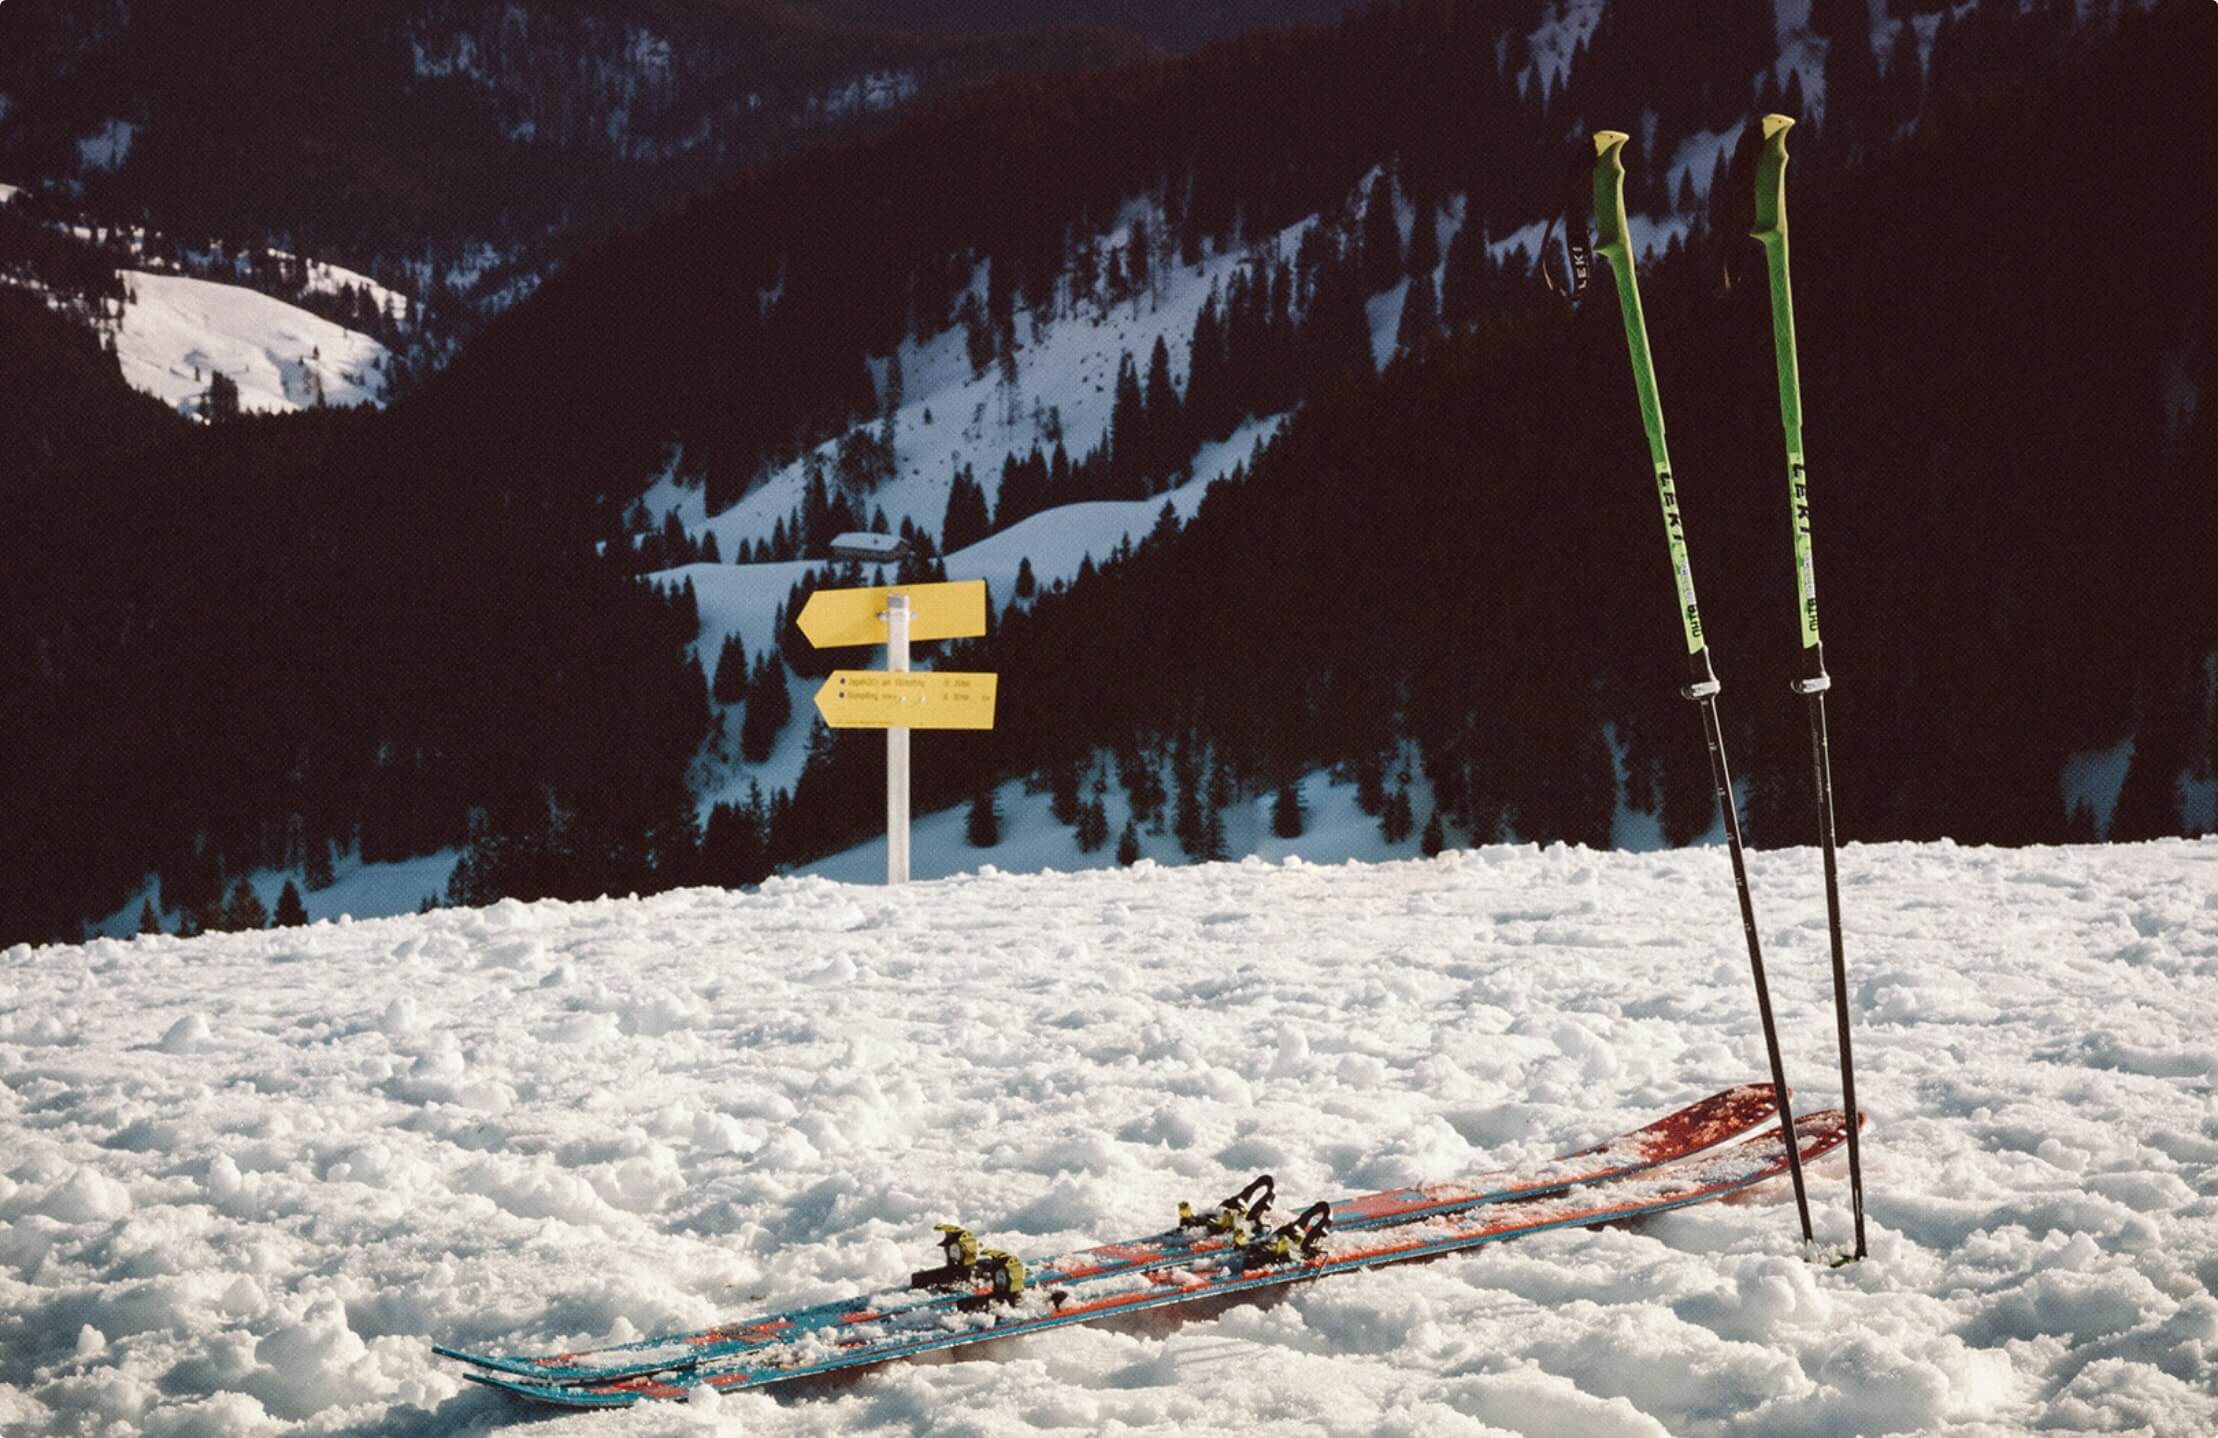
878, 1337
978, 1281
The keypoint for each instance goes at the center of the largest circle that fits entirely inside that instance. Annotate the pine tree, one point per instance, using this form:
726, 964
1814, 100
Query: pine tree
316, 868
243, 909
1286, 812
1128, 845
966, 521
1382, 237
1027, 584
221, 402
1129, 450
149, 921
731, 671
1420, 324
1213, 850
982, 827
1166, 424
1209, 413
291, 912
1093, 826
1435, 836
1397, 819
769, 706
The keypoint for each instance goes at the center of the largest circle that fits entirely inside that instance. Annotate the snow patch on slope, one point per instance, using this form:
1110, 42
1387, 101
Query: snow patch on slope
176, 332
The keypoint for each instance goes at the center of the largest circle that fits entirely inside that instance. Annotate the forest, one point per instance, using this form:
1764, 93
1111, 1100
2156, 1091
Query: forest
260, 643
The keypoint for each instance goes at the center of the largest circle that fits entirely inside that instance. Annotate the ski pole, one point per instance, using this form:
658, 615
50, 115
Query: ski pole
1612, 243
1771, 230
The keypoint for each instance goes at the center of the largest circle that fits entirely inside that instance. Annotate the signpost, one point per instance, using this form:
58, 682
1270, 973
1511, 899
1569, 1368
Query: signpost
894, 699
876, 699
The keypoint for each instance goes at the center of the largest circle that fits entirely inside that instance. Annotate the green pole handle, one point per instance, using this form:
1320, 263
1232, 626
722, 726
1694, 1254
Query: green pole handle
1771, 232
1612, 244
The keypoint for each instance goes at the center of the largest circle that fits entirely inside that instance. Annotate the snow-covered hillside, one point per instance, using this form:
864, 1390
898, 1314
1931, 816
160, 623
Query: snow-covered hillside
247, 1179
176, 333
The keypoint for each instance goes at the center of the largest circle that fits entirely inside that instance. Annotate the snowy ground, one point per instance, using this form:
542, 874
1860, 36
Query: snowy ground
177, 331
246, 1179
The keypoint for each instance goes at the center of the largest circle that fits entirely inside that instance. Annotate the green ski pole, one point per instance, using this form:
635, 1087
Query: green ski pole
1771, 230
1612, 243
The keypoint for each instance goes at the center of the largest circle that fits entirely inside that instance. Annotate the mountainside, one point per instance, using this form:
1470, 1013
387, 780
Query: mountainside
248, 1179
458, 150
1112, 279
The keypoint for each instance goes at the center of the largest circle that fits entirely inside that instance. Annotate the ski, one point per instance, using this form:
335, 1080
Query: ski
1677, 1183
1689, 1130
1613, 242
1771, 231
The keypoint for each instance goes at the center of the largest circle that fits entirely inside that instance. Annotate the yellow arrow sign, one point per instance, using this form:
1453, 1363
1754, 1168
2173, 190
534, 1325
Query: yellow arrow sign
875, 699
833, 617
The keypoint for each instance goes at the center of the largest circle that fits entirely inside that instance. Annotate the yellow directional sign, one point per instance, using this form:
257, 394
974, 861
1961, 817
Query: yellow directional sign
833, 617
875, 699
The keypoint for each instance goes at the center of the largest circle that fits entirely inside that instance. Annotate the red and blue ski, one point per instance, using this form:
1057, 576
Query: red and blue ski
971, 1279
1675, 1184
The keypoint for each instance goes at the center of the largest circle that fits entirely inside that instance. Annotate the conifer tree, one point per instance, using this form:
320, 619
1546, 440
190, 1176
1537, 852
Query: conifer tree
1093, 826
221, 402
1208, 386
769, 706
1027, 585
1396, 818
1166, 425
1128, 845
1435, 837
149, 921
243, 909
1286, 812
1128, 435
732, 676
1420, 324
1382, 236
982, 827
291, 912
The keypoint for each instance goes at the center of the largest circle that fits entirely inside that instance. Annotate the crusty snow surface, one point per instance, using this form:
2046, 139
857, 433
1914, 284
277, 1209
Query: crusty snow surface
246, 1180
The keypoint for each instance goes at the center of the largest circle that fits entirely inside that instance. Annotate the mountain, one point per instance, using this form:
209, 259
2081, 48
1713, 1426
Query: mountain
457, 151
1440, 578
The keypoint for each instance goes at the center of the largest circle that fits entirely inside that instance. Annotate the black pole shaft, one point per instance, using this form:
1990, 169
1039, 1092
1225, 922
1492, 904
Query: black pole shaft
1821, 761
1713, 731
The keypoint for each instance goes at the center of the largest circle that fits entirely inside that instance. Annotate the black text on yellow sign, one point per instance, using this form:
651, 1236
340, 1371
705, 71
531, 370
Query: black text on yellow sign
875, 699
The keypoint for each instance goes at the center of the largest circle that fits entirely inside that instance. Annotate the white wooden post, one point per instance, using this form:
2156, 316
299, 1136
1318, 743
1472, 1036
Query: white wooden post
897, 748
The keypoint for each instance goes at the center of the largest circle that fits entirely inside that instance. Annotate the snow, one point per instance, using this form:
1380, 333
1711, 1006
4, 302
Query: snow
176, 332
245, 1180
357, 891
107, 147
1565, 25
2095, 778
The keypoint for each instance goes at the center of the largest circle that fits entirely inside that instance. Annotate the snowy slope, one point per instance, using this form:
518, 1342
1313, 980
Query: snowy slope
245, 1180
176, 332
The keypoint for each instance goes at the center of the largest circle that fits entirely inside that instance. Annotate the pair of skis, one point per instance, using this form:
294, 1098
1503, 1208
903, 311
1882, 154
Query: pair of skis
977, 1296
1614, 245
